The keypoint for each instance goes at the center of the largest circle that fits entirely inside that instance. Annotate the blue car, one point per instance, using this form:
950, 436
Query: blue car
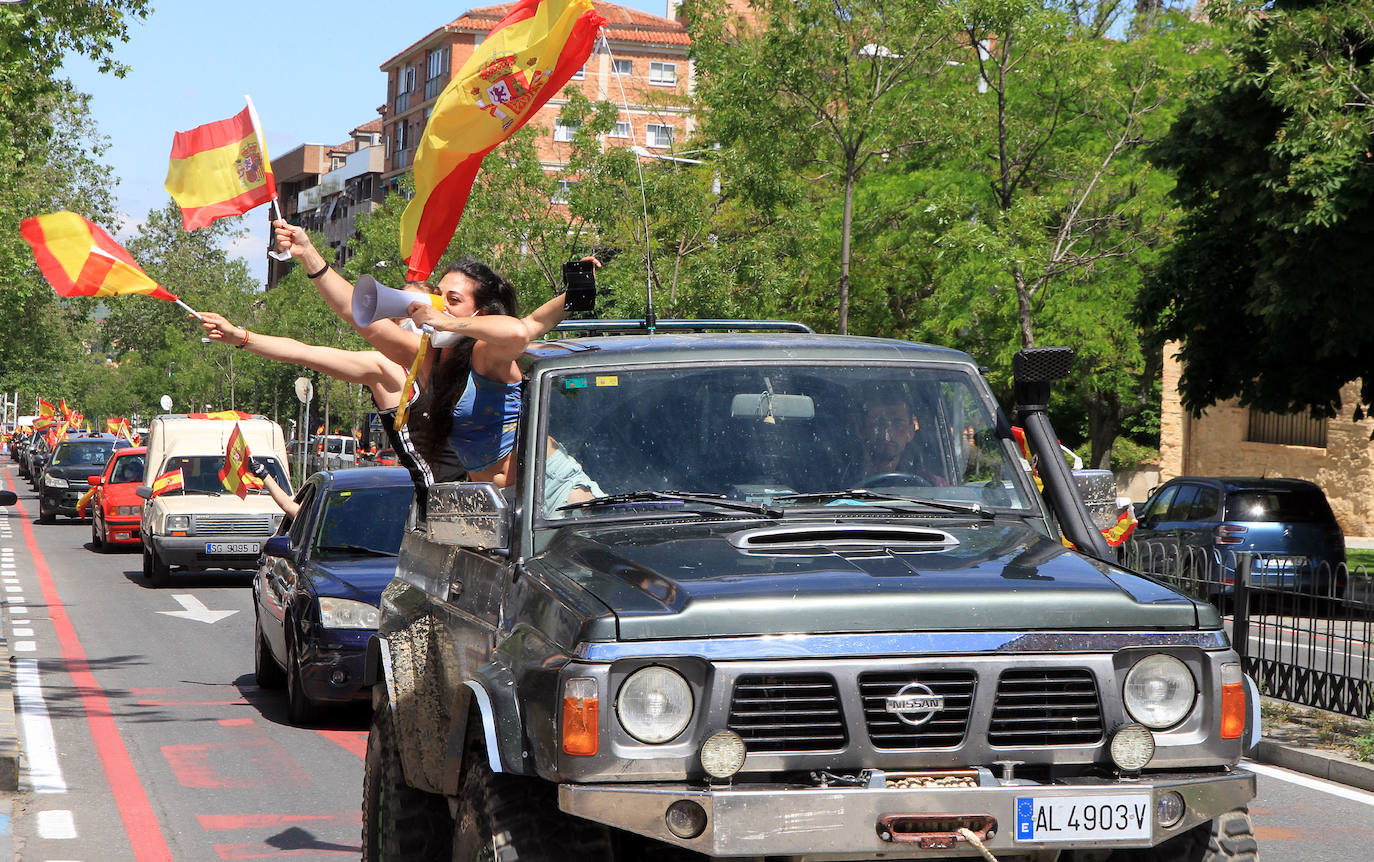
319, 582
1194, 526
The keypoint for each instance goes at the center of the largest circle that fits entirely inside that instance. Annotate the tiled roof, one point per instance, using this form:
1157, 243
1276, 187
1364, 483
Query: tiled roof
622, 25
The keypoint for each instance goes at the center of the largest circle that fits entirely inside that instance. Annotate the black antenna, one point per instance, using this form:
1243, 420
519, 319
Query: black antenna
650, 319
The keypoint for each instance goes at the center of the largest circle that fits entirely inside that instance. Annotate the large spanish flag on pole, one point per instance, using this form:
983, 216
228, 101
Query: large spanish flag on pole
219, 169
78, 258
526, 59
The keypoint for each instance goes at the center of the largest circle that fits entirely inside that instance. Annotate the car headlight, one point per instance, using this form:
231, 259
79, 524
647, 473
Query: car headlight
276, 521
347, 614
128, 510
1159, 691
54, 482
177, 522
654, 704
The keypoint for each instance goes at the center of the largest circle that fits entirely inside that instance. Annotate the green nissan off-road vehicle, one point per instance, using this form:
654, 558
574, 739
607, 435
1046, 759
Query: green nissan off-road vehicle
778, 595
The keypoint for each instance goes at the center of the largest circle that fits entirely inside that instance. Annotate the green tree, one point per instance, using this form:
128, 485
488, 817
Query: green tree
1272, 156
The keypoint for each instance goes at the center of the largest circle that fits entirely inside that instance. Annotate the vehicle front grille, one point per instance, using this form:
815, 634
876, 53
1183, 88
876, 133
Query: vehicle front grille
248, 525
1047, 706
788, 712
945, 729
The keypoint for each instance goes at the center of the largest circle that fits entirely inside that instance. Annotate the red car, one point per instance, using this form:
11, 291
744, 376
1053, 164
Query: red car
115, 508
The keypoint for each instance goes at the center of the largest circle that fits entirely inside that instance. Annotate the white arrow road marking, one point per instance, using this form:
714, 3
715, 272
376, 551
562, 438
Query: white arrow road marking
195, 610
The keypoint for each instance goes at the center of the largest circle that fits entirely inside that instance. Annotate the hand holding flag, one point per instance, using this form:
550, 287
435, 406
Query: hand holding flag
235, 474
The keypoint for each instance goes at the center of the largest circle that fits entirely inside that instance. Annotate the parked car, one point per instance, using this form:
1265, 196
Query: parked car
316, 592
36, 459
115, 508
1196, 525
65, 479
386, 457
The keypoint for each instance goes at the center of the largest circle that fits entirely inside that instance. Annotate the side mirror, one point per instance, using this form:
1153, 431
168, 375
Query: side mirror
8, 498
469, 515
277, 546
92, 481
144, 491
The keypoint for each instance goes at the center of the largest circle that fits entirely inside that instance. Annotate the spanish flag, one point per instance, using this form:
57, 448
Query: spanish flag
526, 59
219, 169
234, 475
169, 481
78, 258
46, 415
234, 415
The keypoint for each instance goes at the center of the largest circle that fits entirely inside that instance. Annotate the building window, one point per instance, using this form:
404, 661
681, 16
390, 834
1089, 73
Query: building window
622, 67
564, 131
580, 73
405, 85
564, 191
621, 129
436, 72
657, 135
663, 73
1292, 429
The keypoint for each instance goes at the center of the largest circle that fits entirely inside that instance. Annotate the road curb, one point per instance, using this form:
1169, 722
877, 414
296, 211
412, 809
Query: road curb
1316, 763
9, 731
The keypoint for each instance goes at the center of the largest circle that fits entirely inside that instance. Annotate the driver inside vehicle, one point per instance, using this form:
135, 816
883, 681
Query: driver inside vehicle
888, 433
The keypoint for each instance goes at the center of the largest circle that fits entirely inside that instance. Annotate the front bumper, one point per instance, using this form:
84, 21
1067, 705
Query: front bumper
189, 551
332, 666
61, 501
844, 822
121, 532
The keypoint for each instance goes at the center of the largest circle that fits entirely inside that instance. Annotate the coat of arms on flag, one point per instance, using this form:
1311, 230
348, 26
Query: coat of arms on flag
234, 475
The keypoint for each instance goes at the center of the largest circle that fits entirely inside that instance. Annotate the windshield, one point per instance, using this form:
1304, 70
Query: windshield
127, 468
363, 522
337, 446
73, 454
760, 434
200, 473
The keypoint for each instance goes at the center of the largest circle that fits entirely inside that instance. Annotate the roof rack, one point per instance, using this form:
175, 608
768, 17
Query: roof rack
674, 325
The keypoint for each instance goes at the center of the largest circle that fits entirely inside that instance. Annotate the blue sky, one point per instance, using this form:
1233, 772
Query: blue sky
312, 70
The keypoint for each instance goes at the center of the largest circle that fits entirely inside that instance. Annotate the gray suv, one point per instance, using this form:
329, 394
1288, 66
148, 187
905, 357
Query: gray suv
791, 596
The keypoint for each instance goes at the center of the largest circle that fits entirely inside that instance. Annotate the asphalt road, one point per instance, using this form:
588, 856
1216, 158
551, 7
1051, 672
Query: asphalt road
145, 737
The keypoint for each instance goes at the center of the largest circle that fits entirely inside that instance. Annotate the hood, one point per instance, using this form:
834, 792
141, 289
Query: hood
175, 503
121, 494
676, 580
77, 473
361, 580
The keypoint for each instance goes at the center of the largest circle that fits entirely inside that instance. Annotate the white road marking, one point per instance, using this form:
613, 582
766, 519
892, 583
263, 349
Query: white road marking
56, 825
1309, 782
22, 633
45, 772
195, 609
25, 646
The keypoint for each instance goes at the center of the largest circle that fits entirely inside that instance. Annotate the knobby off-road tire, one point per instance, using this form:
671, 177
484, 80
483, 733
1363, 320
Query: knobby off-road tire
400, 823
508, 818
1228, 838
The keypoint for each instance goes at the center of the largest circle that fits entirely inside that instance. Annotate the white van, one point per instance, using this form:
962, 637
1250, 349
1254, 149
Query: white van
203, 526
334, 452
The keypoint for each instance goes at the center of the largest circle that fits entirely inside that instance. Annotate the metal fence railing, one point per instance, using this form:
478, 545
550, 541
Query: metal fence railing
1304, 630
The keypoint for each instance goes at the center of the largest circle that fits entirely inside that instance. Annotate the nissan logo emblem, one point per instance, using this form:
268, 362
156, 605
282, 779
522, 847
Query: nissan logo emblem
914, 704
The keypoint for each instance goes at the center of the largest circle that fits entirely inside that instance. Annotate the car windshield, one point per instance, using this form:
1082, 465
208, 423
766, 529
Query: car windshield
74, 454
1295, 505
127, 468
336, 446
780, 436
363, 522
200, 473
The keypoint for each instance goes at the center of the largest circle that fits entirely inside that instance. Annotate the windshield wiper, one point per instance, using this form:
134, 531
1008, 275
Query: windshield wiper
354, 549
869, 494
676, 496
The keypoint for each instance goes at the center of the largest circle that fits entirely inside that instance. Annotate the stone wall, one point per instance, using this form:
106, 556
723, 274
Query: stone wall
1214, 444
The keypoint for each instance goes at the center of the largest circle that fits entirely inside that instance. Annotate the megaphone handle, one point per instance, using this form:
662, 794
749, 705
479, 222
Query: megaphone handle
403, 409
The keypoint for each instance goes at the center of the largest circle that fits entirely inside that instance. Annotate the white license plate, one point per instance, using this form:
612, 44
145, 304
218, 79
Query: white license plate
231, 547
1083, 818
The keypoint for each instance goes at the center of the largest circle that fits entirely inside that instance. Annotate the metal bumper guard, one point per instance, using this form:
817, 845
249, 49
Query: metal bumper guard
844, 822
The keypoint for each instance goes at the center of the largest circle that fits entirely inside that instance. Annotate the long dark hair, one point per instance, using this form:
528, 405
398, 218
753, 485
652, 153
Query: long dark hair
493, 294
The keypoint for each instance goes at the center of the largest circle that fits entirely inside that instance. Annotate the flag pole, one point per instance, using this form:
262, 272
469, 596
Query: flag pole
276, 204
189, 310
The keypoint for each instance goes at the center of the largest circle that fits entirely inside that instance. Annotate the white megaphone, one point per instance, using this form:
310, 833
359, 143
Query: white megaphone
373, 301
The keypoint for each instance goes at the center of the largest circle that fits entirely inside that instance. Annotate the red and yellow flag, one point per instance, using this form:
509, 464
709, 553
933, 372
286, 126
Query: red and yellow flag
169, 481
526, 59
47, 415
221, 414
219, 169
1117, 534
234, 475
78, 258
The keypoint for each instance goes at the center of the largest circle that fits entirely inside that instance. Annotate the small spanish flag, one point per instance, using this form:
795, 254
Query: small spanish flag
233, 415
46, 415
78, 258
169, 481
219, 169
234, 474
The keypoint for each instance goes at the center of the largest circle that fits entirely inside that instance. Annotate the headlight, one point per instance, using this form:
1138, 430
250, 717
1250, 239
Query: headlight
129, 510
276, 521
177, 522
347, 614
654, 704
54, 482
1159, 691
